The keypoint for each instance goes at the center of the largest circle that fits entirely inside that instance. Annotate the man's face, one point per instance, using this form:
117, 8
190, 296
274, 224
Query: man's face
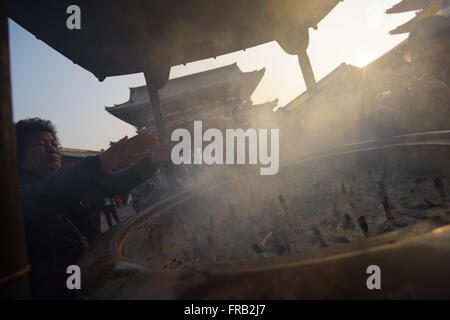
42, 155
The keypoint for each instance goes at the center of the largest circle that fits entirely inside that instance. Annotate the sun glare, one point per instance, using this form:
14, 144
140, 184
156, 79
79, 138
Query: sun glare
362, 60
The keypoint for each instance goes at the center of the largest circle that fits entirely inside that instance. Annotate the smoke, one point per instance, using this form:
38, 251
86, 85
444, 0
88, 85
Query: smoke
233, 213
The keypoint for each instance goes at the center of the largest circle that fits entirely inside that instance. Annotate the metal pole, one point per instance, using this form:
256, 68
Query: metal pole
158, 117
155, 103
308, 73
14, 265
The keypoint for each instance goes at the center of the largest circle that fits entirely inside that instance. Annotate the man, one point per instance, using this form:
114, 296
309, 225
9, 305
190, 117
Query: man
49, 196
424, 103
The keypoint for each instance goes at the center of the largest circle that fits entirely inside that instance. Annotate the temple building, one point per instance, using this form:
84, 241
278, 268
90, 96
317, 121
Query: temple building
70, 156
347, 85
423, 8
219, 97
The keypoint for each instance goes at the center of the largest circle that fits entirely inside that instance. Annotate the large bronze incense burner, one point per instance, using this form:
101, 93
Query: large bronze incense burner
309, 232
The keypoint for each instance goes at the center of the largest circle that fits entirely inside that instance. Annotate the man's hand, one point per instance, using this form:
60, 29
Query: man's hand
127, 151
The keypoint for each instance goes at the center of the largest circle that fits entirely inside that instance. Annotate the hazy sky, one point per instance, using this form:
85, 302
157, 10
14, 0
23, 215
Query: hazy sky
46, 84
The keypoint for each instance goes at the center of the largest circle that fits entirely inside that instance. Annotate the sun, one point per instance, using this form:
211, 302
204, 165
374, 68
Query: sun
362, 60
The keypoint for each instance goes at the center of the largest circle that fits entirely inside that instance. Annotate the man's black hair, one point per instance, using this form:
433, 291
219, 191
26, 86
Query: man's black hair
27, 127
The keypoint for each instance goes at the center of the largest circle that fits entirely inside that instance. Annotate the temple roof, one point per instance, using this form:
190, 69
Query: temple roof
409, 5
230, 74
77, 153
322, 84
393, 57
406, 27
123, 37
427, 8
136, 111
268, 106
136, 115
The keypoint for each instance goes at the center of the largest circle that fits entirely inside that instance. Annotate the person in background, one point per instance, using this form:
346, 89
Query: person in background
118, 200
51, 197
110, 212
151, 191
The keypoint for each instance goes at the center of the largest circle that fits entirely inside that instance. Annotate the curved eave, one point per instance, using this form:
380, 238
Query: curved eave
406, 27
116, 34
136, 115
409, 5
250, 81
77, 153
264, 107
247, 81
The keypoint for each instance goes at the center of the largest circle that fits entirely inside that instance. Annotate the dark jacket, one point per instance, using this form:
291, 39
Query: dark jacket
51, 208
